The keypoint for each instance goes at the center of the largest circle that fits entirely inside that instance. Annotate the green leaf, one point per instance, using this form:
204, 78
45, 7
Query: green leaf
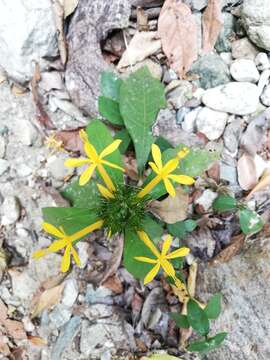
109, 109
141, 98
152, 228
213, 307
204, 346
126, 140
180, 320
224, 203
110, 85
190, 225
162, 143
100, 137
250, 222
197, 318
180, 228
86, 196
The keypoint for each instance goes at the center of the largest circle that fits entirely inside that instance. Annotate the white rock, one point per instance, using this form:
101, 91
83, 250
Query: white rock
23, 284
27, 34
83, 248
206, 199
25, 132
211, 123
70, 293
244, 70
239, 98
57, 168
262, 61
4, 166
10, 210
265, 97
190, 120
2, 147
23, 170
264, 80
226, 57
243, 48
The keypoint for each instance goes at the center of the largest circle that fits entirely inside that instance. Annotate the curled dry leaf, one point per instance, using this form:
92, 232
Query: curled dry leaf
177, 29
59, 16
142, 45
172, 209
262, 184
142, 20
46, 300
116, 258
230, 251
212, 22
70, 139
37, 341
246, 169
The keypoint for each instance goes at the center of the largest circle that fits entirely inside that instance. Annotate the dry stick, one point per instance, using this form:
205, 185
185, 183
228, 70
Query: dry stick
127, 48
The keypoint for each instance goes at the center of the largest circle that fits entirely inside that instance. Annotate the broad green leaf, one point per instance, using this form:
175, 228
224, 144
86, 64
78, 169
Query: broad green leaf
110, 85
180, 320
197, 318
213, 307
163, 144
224, 203
86, 196
109, 109
153, 229
180, 228
204, 346
100, 137
190, 225
250, 222
141, 98
126, 140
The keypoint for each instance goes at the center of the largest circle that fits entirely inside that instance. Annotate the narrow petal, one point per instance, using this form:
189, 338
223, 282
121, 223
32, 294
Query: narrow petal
39, 253
87, 174
105, 192
182, 179
90, 151
112, 165
168, 268
85, 231
145, 259
52, 230
83, 136
156, 153
65, 265
154, 167
106, 178
110, 148
152, 273
169, 187
183, 251
166, 245
183, 153
146, 190
145, 238
170, 166
57, 245
76, 162
75, 256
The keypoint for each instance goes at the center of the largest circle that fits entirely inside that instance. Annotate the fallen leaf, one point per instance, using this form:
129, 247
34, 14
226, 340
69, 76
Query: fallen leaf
172, 209
262, 184
37, 341
177, 29
47, 300
69, 6
114, 284
116, 258
142, 45
15, 329
18, 90
142, 20
246, 169
131, 167
212, 23
59, 16
230, 251
70, 139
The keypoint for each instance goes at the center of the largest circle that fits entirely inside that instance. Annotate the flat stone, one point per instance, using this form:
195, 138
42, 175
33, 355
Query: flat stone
228, 173
4, 166
244, 49
57, 169
10, 210
223, 43
211, 123
60, 315
231, 136
262, 62
25, 132
189, 123
206, 199
240, 98
100, 294
265, 97
2, 147
154, 68
70, 293
180, 94
244, 70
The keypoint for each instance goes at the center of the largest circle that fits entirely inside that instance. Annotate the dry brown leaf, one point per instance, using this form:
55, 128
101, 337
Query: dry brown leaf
212, 23
172, 209
177, 29
18, 90
59, 16
246, 169
37, 341
142, 20
70, 139
116, 258
262, 184
114, 284
142, 45
47, 299
230, 251
15, 329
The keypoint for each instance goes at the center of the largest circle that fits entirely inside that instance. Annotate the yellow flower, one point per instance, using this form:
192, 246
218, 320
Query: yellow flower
107, 194
65, 241
94, 161
162, 258
164, 173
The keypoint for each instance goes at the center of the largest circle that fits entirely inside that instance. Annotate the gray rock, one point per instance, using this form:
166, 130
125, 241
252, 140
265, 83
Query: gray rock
169, 75
264, 80
154, 68
246, 300
226, 57
211, 123
4, 166
32, 24
206, 199
99, 295
212, 71
196, 4
256, 19
2, 147
201, 243
265, 97
228, 173
223, 43
180, 94
240, 98
60, 315
262, 62
70, 293
57, 168
189, 123
244, 49
231, 136
244, 70
10, 210
25, 132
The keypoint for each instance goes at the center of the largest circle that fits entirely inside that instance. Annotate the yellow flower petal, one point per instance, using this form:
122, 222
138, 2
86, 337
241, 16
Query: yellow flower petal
110, 148
183, 251
146, 190
166, 245
169, 187
85, 231
152, 273
154, 167
106, 178
156, 153
39, 253
57, 245
52, 230
75, 256
76, 162
112, 165
105, 192
87, 174
170, 166
65, 264
83, 135
144, 237
145, 259
183, 153
182, 179
168, 268
90, 151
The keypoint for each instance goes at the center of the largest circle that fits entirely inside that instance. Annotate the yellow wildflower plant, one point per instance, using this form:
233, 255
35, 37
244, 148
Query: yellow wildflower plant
162, 259
165, 173
94, 161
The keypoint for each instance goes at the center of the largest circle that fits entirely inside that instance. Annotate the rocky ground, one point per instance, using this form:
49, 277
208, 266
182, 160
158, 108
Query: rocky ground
221, 104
